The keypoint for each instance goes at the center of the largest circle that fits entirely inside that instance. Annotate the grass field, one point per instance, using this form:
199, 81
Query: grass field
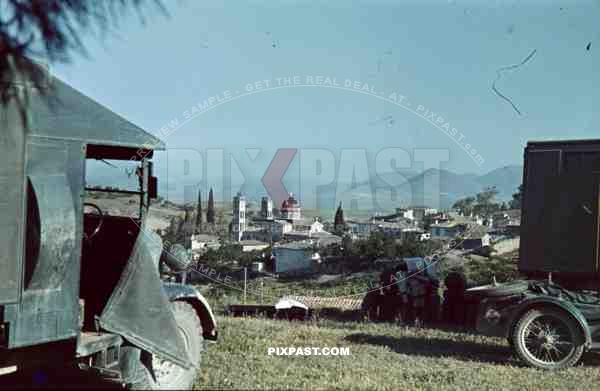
272, 289
384, 357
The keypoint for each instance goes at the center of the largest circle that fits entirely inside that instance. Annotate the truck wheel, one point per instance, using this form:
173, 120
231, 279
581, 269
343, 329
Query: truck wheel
548, 338
170, 376
510, 342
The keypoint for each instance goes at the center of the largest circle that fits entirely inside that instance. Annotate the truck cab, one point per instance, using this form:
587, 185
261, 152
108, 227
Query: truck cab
81, 285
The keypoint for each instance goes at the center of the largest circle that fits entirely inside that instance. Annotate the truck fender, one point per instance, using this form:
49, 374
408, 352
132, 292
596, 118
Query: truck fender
189, 294
566, 306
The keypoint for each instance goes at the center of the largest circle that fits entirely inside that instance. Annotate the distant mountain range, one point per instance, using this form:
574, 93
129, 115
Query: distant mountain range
452, 186
410, 186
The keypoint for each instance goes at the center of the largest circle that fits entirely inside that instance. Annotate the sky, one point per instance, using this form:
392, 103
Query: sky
441, 56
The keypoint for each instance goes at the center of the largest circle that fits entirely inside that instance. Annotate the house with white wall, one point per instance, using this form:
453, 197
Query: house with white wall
293, 257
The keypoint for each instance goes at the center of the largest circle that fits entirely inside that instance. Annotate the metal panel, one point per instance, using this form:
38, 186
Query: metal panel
66, 113
139, 309
540, 166
559, 226
48, 310
12, 203
581, 162
570, 234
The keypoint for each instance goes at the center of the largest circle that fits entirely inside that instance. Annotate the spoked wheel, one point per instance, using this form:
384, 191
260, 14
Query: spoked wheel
547, 338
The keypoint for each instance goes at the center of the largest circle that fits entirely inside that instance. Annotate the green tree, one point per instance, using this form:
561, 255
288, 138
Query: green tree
221, 221
53, 30
347, 245
185, 229
517, 198
339, 223
199, 211
465, 205
485, 202
210, 210
375, 244
390, 248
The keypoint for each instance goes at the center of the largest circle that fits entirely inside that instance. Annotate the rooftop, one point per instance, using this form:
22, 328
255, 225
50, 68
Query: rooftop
360, 221
253, 243
270, 221
449, 224
205, 238
298, 233
312, 235
295, 245
394, 225
476, 233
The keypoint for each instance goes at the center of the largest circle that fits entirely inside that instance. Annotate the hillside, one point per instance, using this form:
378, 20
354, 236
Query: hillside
452, 186
382, 357
506, 179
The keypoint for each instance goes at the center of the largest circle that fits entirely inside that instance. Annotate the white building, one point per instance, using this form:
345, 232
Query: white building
268, 230
294, 257
419, 212
502, 220
405, 213
361, 228
202, 243
238, 222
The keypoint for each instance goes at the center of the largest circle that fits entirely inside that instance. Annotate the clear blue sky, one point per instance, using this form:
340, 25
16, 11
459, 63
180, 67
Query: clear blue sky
442, 55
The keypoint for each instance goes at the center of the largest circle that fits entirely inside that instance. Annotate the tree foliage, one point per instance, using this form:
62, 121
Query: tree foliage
199, 211
378, 245
52, 30
210, 210
339, 223
517, 198
483, 204
465, 205
230, 253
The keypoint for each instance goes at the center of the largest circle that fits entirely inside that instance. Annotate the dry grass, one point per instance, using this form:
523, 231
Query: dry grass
383, 357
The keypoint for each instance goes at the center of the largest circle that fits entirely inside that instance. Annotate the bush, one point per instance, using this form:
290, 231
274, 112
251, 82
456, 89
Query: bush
480, 272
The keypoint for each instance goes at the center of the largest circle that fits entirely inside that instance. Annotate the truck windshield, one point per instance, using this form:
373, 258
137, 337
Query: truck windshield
113, 186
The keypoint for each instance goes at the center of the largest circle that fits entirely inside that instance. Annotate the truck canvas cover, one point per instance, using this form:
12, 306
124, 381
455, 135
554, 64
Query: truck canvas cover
139, 309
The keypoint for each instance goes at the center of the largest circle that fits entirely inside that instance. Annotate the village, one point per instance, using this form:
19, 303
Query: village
283, 241
187, 205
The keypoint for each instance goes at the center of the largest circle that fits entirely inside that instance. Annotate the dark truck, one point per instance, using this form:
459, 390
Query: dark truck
80, 288
553, 316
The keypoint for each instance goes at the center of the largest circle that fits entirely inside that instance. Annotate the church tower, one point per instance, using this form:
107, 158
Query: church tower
238, 223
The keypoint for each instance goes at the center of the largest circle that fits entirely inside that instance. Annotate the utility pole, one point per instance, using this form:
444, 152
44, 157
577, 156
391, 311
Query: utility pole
245, 282
261, 290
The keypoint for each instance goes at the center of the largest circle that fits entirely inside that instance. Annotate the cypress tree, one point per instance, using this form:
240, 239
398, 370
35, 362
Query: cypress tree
199, 210
339, 224
210, 211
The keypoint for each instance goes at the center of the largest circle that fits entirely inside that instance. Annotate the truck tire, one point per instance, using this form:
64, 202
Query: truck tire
548, 338
170, 376
506, 289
